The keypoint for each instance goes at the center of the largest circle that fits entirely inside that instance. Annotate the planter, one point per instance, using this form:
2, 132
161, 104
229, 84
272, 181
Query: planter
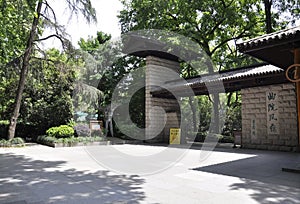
77, 144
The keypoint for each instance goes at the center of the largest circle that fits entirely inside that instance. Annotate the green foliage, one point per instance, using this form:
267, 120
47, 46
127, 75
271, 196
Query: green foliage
4, 143
201, 136
211, 24
233, 120
285, 12
96, 133
3, 128
71, 123
43, 139
4, 122
22, 23
103, 69
137, 108
226, 139
15, 20
23, 130
70, 141
47, 98
62, 131
205, 111
215, 26
15, 142
91, 45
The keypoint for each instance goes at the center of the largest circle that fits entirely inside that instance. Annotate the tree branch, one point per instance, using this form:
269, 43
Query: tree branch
209, 98
51, 36
241, 35
216, 26
46, 59
51, 9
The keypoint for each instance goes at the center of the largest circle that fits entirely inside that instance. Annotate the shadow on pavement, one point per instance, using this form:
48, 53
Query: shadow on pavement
262, 176
23, 180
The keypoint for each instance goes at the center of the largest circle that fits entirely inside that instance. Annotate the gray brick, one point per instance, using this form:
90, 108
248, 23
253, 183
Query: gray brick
285, 148
254, 106
273, 148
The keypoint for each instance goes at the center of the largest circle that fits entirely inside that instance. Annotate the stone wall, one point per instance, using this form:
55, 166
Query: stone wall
269, 117
156, 75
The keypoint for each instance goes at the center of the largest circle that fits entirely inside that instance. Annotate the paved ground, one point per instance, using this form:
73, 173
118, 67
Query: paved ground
40, 174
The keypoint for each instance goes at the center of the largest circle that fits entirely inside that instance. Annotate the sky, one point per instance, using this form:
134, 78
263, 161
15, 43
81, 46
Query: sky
107, 11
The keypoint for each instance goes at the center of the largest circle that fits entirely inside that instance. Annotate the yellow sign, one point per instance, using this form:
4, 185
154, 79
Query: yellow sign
174, 135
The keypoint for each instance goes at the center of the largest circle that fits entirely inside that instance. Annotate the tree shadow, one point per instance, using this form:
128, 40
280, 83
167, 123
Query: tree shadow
23, 180
262, 175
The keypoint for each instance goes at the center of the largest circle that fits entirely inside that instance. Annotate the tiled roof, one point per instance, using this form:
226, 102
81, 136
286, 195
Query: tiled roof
232, 80
229, 75
282, 35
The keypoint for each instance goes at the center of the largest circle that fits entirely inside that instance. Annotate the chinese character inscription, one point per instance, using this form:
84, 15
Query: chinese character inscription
272, 112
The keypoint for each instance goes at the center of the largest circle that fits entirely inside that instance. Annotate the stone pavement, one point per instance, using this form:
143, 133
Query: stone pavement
40, 174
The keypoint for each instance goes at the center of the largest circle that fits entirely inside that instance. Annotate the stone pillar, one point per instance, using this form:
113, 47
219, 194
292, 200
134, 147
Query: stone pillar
157, 75
297, 76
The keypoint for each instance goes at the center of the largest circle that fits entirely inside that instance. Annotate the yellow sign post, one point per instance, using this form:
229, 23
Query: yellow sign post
174, 135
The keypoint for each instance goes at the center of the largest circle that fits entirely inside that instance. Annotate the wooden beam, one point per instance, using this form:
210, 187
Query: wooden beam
297, 76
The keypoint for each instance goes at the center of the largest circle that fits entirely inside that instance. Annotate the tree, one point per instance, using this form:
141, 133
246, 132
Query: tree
15, 19
46, 100
93, 53
104, 68
214, 25
42, 17
288, 12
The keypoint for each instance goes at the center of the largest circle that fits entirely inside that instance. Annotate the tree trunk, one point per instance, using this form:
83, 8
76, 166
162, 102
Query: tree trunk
192, 105
24, 70
229, 96
216, 115
194, 112
215, 100
268, 15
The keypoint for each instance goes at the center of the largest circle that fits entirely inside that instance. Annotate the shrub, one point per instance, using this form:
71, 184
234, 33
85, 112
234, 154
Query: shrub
23, 130
70, 141
16, 142
4, 143
82, 130
97, 133
227, 139
62, 131
200, 136
44, 139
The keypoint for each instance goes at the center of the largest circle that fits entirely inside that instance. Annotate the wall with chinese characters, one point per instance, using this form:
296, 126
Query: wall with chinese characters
269, 117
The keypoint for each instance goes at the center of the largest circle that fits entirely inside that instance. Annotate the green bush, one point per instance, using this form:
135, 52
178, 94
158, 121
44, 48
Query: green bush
4, 143
200, 137
227, 139
23, 130
62, 131
69, 141
44, 139
16, 142
224, 138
